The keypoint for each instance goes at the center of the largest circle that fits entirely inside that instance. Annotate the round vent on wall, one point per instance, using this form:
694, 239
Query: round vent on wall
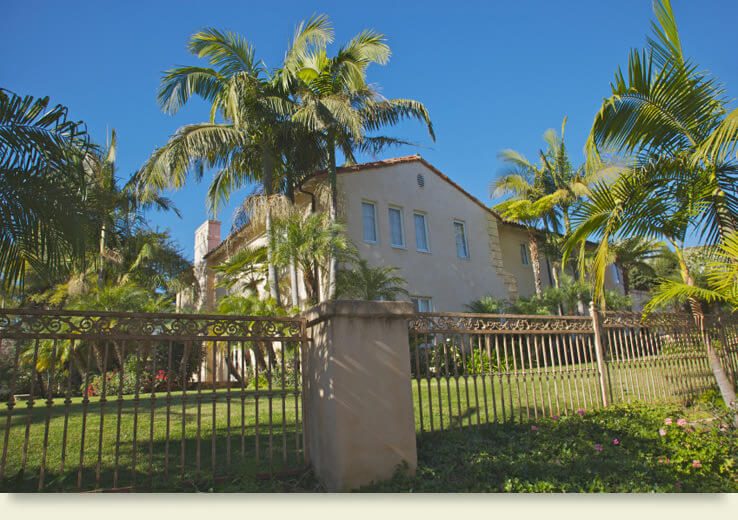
421, 181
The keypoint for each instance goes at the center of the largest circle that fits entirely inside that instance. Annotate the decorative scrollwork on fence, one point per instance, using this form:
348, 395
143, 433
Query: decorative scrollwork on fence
504, 322
17, 323
671, 320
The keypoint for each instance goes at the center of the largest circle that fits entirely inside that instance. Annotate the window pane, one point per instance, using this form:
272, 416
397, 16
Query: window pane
524, 254
421, 237
422, 304
370, 227
460, 240
395, 219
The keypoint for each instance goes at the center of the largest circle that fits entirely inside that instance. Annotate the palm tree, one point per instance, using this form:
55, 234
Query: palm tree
487, 304
309, 241
721, 275
335, 100
632, 252
115, 211
246, 267
722, 279
42, 218
248, 145
370, 283
671, 118
529, 213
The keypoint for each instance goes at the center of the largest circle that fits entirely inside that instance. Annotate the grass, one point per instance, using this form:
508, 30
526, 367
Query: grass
466, 401
153, 454
445, 403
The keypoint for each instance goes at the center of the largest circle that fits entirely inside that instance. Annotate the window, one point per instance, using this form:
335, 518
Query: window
462, 249
421, 232
397, 231
422, 303
524, 254
369, 214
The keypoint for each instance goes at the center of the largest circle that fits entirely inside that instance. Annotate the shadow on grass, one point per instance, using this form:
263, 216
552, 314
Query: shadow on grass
151, 461
153, 471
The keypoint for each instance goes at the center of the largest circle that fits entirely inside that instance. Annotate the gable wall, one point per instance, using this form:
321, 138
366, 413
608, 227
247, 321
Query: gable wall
451, 282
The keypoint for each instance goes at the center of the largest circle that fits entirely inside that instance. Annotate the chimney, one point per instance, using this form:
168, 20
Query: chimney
207, 238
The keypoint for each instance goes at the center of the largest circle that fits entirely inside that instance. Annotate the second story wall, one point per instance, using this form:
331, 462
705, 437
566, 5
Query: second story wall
456, 265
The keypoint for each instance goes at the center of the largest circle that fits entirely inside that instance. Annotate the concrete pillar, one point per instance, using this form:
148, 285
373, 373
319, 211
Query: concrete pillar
359, 415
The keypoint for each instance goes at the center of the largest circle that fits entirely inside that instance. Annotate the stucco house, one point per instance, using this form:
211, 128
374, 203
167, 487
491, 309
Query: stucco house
403, 212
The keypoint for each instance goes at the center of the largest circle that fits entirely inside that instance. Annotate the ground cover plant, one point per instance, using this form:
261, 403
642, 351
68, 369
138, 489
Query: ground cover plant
626, 448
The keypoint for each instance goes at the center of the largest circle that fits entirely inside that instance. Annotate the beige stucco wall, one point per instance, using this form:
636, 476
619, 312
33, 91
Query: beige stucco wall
510, 239
450, 281
359, 421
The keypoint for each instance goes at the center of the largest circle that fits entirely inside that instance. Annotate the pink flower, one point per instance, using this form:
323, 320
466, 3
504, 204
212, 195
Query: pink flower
598, 447
615, 442
534, 428
696, 464
678, 484
667, 420
555, 418
682, 422
662, 432
580, 411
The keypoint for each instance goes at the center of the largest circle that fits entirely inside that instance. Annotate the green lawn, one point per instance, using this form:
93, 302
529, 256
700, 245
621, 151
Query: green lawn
502, 398
151, 449
468, 401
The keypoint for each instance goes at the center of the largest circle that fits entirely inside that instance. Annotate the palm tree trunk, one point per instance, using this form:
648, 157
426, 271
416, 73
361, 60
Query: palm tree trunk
312, 287
293, 285
536, 261
234, 371
294, 289
625, 275
332, 175
272, 277
101, 269
555, 276
557, 284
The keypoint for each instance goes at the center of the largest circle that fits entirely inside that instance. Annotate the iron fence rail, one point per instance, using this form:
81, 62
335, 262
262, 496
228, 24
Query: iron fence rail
471, 369
131, 399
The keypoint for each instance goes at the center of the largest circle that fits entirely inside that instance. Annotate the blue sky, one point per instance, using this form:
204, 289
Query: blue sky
493, 75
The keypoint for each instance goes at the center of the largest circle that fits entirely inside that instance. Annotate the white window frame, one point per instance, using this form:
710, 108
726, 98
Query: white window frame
427, 233
402, 226
524, 254
466, 238
416, 301
376, 224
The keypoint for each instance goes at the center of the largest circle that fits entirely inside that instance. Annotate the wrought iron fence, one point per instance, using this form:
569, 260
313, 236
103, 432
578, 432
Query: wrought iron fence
470, 369
664, 356
135, 400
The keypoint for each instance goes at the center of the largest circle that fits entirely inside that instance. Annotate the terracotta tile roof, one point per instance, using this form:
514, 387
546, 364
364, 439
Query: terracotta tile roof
408, 159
